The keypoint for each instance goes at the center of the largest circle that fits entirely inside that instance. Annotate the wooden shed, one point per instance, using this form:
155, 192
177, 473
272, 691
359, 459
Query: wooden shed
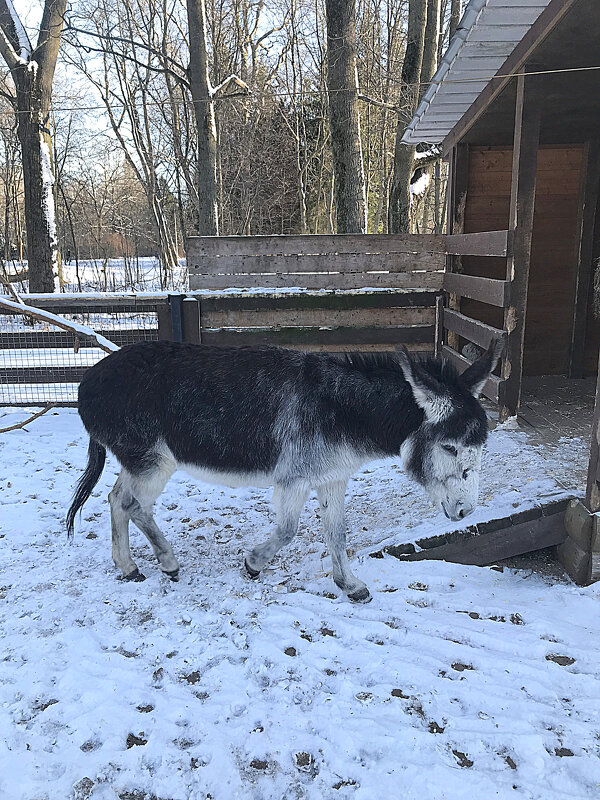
515, 108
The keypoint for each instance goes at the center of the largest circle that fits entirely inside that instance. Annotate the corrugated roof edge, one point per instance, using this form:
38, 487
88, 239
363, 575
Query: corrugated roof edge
467, 21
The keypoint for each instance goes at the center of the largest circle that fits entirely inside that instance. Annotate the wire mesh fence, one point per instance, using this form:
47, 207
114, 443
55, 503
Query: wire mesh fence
41, 364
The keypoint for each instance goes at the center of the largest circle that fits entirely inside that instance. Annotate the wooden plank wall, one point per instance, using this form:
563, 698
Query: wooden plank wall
592, 334
309, 320
346, 261
554, 246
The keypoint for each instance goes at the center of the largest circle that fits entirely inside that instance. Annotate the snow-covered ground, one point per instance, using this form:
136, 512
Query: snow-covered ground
454, 682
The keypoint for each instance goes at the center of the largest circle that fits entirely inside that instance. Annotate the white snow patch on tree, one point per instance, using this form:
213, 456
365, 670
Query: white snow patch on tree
48, 199
22, 38
421, 184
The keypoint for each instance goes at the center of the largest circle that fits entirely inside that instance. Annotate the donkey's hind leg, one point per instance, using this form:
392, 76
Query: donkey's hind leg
143, 490
331, 499
119, 500
288, 502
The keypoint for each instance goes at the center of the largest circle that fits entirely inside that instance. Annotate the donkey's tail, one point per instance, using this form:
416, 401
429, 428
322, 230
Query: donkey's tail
93, 470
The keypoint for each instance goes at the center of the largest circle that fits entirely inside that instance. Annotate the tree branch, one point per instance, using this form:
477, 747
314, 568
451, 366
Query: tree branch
27, 421
60, 322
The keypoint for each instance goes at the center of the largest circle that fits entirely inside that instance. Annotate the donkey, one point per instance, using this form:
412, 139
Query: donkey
266, 416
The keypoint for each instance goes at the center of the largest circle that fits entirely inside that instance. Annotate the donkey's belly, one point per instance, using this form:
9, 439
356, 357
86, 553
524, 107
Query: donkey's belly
226, 478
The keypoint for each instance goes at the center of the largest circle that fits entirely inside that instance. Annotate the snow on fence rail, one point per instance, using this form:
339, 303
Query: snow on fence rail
40, 364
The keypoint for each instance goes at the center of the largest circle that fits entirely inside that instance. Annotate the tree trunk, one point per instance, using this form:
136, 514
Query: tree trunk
455, 12
32, 70
34, 138
349, 186
208, 217
399, 207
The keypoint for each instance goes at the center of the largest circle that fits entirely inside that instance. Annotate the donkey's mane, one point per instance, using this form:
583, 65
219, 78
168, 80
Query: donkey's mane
372, 363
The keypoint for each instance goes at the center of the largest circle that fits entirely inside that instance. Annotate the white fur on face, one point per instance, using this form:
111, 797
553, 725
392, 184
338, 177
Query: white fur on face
453, 483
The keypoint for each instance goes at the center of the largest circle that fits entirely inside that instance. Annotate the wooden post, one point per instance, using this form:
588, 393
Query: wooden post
585, 244
457, 199
522, 201
592, 495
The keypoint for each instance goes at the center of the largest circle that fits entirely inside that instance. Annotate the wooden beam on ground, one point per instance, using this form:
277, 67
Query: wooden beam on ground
488, 548
522, 200
585, 245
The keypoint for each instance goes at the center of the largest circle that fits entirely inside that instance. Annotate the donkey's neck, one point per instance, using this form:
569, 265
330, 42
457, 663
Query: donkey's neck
374, 404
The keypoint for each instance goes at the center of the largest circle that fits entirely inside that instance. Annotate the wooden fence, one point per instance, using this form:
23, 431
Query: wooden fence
310, 292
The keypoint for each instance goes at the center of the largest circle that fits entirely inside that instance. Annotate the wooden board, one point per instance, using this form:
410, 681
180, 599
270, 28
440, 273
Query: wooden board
475, 331
488, 548
319, 244
486, 290
493, 387
401, 280
398, 334
306, 301
488, 243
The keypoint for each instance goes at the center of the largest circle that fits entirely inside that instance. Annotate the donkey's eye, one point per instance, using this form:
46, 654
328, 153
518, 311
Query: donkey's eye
450, 449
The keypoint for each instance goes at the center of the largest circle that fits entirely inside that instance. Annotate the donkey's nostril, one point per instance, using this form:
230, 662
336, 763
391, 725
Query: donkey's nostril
461, 513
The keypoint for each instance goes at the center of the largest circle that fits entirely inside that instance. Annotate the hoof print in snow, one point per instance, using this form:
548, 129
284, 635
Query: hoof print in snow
400, 693
83, 789
305, 762
462, 759
193, 677
327, 632
562, 661
435, 728
259, 765
157, 676
330, 595
145, 709
92, 536
329, 671
202, 696
418, 586
563, 752
290, 651
364, 697
135, 741
460, 667
341, 784
516, 619
42, 705
89, 746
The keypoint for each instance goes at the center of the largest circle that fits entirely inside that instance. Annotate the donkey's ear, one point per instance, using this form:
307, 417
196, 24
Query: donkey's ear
477, 374
428, 392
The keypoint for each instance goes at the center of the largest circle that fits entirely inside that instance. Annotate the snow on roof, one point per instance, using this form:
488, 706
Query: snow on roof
486, 35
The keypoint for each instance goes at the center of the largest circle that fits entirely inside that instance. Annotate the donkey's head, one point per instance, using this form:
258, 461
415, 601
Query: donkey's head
444, 454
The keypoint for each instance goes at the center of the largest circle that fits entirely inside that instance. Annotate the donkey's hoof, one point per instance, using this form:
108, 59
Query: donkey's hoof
135, 576
252, 573
173, 574
361, 596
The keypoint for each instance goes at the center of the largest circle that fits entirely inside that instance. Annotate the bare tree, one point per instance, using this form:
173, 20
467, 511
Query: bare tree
32, 71
455, 12
349, 181
399, 207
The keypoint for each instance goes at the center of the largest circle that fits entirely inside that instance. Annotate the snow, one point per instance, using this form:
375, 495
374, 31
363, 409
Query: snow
22, 38
453, 681
420, 185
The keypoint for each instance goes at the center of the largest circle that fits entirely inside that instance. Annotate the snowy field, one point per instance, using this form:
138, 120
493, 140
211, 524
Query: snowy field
454, 682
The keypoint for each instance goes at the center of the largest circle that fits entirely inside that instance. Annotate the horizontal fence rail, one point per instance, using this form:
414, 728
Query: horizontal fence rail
40, 364
346, 261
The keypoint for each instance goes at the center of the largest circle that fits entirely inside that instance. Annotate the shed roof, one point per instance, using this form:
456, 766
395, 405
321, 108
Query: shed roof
486, 35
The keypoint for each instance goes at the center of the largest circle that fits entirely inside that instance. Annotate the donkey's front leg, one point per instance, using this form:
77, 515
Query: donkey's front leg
331, 498
288, 501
